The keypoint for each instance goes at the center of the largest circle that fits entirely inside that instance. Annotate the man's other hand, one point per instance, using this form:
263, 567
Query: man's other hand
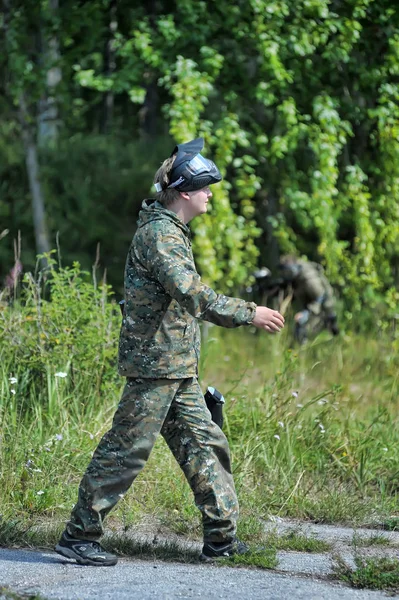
268, 319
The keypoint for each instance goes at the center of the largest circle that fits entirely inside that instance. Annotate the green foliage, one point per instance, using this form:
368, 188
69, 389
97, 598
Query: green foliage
373, 573
62, 324
298, 104
262, 558
296, 541
307, 436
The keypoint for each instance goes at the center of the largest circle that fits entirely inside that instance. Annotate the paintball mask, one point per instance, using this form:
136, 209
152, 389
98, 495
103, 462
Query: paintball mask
191, 171
289, 271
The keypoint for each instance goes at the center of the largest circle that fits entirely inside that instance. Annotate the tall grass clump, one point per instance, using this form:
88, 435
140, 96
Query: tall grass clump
58, 382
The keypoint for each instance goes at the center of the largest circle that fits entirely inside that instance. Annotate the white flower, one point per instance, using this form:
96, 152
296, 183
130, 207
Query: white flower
13, 380
385, 449
294, 394
299, 405
13, 391
281, 424
277, 436
60, 374
58, 436
40, 492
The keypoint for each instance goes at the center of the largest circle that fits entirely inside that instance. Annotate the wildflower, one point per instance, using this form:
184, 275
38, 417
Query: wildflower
47, 449
294, 394
299, 405
13, 380
58, 436
281, 424
385, 449
277, 436
61, 374
12, 391
40, 492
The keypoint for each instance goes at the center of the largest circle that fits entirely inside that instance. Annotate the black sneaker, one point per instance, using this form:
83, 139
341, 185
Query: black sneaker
85, 552
213, 550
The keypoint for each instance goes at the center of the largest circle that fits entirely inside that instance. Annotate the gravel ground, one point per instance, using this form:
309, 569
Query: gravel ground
299, 575
26, 571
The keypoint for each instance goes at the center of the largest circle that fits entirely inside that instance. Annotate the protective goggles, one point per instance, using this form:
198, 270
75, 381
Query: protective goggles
191, 171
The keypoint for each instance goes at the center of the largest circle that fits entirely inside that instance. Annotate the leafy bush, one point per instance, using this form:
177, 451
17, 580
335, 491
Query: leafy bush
63, 323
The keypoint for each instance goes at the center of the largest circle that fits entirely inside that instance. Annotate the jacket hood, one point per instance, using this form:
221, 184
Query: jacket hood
152, 210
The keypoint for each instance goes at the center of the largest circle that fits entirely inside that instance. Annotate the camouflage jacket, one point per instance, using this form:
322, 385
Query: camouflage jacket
164, 298
312, 287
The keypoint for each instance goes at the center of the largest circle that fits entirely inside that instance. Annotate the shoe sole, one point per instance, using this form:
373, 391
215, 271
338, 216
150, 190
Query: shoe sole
69, 553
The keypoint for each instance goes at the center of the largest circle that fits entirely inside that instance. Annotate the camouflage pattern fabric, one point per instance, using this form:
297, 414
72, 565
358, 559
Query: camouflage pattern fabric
165, 297
313, 289
177, 410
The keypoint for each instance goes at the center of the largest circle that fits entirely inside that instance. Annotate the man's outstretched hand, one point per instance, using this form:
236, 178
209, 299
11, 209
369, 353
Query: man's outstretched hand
268, 319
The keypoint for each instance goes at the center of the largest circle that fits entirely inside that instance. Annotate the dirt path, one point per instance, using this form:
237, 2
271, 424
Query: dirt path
299, 575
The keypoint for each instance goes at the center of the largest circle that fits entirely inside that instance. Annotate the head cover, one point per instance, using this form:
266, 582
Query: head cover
289, 268
191, 171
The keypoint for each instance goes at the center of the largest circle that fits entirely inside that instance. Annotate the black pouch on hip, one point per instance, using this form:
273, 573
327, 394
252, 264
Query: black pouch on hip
214, 401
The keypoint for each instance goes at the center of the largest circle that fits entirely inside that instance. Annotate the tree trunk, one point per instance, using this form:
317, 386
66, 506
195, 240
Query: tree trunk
48, 117
32, 166
148, 112
109, 68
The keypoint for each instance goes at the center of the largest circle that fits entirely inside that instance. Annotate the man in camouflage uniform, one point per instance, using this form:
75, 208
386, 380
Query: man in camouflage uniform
158, 354
313, 293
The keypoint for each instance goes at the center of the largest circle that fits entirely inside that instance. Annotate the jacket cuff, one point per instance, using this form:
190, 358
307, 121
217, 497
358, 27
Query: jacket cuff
251, 312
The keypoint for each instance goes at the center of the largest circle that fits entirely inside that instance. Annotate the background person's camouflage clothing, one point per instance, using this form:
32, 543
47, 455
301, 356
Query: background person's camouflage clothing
158, 353
313, 295
313, 290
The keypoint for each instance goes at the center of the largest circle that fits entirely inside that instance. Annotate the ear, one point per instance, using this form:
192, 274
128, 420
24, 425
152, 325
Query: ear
185, 195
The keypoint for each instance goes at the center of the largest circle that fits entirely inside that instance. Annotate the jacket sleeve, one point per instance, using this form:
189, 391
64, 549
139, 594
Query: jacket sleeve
170, 262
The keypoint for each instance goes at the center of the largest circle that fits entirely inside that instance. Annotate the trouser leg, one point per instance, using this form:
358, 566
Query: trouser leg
201, 449
122, 453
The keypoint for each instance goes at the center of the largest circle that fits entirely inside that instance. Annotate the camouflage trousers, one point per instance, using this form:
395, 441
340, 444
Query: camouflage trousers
175, 408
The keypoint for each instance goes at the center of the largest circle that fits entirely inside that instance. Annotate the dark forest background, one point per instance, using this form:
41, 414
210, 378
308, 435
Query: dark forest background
298, 103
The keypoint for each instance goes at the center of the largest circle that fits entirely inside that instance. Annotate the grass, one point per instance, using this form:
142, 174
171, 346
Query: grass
7, 594
371, 573
313, 431
259, 558
296, 541
391, 524
366, 541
